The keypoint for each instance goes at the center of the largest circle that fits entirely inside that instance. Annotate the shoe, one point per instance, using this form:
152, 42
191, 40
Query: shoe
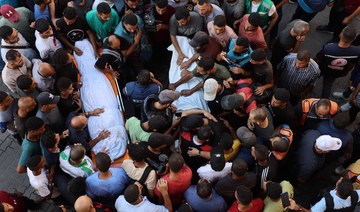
324, 28
339, 95
345, 107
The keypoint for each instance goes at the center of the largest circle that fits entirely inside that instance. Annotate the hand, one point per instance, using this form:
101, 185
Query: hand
78, 51
128, 11
172, 86
76, 95
250, 124
186, 64
300, 38
65, 134
237, 70
222, 56
209, 116
162, 186
137, 37
97, 111
115, 74
186, 92
161, 26
32, 24
226, 123
192, 152
54, 22
346, 20
180, 58
228, 83
173, 108
104, 134
82, 3
293, 205
259, 90
78, 102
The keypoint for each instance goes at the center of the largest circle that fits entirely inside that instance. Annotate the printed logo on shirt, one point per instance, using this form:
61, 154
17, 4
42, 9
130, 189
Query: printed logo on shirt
75, 35
338, 64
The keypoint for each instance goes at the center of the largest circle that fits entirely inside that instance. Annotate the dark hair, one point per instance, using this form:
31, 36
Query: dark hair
77, 152
204, 189
280, 144
158, 139
323, 102
12, 54
33, 162
5, 32
258, 55
157, 123
239, 167
261, 152
181, 13
143, 78
244, 195
3, 96
176, 162
2, 209
226, 141
136, 152
259, 114
185, 207
206, 63
161, 3
205, 132
344, 188
130, 19
42, 25
63, 83
273, 190
254, 19
103, 8
33, 123
24, 81
102, 162
220, 21
303, 55
77, 186
242, 41
48, 139
201, 2
70, 13
60, 56
348, 34
131, 193
341, 120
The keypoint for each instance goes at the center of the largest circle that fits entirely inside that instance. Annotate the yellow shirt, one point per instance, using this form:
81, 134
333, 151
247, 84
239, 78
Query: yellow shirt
271, 206
236, 146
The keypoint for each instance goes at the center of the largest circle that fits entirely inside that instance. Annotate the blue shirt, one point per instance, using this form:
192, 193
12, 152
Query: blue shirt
139, 92
45, 14
122, 32
213, 204
110, 188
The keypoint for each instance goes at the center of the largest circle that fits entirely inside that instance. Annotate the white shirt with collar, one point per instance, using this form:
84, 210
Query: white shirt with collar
46, 46
29, 53
122, 205
43, 83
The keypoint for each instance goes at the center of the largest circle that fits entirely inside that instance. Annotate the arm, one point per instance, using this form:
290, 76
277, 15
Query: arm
282, 3
193, 152
133, 46
65, 41
102, 135
181, 56
92, 41
274, 18
188, 92
163, 188
52, 12
348, 19
21, 169
182, 80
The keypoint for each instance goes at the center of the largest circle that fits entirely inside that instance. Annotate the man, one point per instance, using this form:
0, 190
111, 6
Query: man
273, 191
250, 28
70, 101
131, 6
245, 202
132, 200
267, 11
26, 86
31, 144
15, 202
25, 108
7, 107
107, 183
46, 42
19, 18
72, 28
220, 31
298, 73
207, 11
103, 20
261, 122
43, 74
65, 65
16, 65
183, 23
75, 163
49, 111
338, 59
141, 131
234, 10
280, 109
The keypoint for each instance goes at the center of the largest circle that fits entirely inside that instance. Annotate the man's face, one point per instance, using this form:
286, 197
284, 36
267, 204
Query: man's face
184, 21
13, 38
104, 17
115, 42
31, 105
8, 207
69, 90
159, 10
204, 9
249, 27
239, 49
41, 130
277, 103
48, 33
70, 21
131, 28
322, 111
33, 85
301, 64
133, 4
18, 62
219, 30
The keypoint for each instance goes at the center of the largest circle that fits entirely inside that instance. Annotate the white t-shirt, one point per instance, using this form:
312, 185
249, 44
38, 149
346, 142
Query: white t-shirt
338, 202
254, 8
84, 169
206, 172
122, 205
29, 53
39, 183
46, 46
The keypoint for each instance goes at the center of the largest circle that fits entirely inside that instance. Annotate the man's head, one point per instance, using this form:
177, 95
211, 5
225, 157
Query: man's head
136, 152
300, 29
246, 137
65, 87
143, 78
132, 194
70, 15
200, 41
114, 41
176, 162
182, 15
103, 11
341, 120
84, 204
204, 189
239, 167
35, 126
217, 159
253, 22
260, 153
348, 34
36, 163
244, 196
157, 123
344, 188
77, 153
205, 133
61, 57
326, 143
44, 28
279, 144
205, 66
102, 162
160, 141
322, 108
9, 35
8, 12
219, 24
132, 4
130, 23
258, 115
232, 101
161, 6
242, 45
50, 140
273, 190
26, 103
14, 59
258, 56
226, 141
46, 70
302, 59
79, 122
26, 83
280, 98
47, 101
204, 7
77, 186
168, 96
5, 100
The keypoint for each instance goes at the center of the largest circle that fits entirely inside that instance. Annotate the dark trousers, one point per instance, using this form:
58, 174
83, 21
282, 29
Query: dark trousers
327, 85
302, 14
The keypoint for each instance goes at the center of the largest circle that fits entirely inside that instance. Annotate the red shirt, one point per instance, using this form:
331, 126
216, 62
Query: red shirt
16, 202
256, 37
248, 93
258, 206
177, 188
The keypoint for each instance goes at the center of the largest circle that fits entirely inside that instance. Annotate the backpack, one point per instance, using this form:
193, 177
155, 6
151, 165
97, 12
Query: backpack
329, 201
142, 180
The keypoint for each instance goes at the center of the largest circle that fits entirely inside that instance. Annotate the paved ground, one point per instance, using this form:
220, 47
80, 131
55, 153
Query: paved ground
10, 150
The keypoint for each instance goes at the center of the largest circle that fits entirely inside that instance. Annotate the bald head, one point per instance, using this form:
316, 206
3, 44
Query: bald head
83, 204
46, 70
78, 122
301, 27
26, 102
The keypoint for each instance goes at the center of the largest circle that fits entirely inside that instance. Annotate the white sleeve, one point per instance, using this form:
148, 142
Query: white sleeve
272, 10
319, 206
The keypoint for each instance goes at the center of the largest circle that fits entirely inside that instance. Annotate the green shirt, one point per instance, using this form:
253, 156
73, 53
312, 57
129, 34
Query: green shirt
29, 149
133, 125
102, 29
221, 73
271, 206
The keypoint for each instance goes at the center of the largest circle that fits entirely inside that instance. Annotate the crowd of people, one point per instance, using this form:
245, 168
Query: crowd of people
262, 142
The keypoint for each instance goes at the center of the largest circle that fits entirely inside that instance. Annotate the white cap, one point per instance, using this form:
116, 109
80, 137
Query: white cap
328, 143
210, 89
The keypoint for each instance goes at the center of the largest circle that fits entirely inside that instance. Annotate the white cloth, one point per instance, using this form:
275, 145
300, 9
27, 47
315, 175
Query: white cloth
97, 92
43, 83
196, 100
46, 47
29, 53
206, 172
122, 205
39, 183
338, 202
9, 76
97, 2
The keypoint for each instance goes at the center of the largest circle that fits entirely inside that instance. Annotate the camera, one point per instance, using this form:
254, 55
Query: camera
159, 167
150, 21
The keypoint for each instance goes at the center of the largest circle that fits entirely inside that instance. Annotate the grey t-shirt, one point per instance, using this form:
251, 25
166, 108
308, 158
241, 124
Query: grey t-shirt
195, 24
216, 10
53, 119
233, 11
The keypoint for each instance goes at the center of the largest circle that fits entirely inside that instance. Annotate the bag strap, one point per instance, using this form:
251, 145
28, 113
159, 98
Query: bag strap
243, 85
249, 101
354, 200
145, 175
329, 201
14, 47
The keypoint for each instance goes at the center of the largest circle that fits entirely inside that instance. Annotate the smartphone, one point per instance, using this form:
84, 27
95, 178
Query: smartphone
285, 199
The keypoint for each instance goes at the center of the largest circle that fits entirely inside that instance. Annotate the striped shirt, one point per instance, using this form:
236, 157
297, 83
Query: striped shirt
297, 80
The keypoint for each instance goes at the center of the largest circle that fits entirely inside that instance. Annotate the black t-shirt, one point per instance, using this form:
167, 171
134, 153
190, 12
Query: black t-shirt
261, 74
74, 32
67, 106
69, 70
113, 57
283, 116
